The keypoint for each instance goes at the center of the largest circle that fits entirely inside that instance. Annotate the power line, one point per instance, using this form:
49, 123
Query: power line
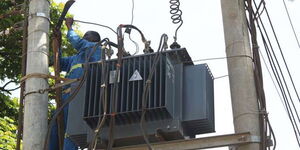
132, 12
273, 81
280, 49
97, 24
220, 77
280, 78
291, 23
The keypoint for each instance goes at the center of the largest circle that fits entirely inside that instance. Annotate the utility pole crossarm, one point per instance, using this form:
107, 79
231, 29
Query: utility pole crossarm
199, 143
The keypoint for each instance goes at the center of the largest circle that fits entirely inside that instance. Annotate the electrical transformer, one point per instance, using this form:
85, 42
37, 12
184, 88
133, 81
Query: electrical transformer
180, 102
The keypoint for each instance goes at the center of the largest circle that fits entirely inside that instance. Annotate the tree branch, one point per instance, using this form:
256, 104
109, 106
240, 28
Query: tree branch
3, 88
14, 12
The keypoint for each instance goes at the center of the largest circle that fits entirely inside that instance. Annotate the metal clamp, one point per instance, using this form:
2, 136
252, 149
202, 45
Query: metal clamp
39, 14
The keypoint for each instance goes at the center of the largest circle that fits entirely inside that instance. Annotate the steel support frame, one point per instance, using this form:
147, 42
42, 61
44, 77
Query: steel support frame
199, 143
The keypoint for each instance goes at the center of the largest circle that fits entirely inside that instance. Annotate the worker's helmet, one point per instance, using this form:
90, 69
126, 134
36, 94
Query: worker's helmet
92, 36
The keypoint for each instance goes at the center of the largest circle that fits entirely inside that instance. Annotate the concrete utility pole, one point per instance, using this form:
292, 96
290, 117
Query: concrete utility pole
240, 69
36, 104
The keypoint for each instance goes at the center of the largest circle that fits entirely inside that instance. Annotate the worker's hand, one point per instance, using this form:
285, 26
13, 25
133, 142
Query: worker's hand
69, 23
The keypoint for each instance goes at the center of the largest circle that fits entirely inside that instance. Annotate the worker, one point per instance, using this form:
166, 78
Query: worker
85, 47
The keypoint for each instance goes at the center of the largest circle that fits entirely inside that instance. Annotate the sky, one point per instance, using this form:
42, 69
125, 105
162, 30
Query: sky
202, 35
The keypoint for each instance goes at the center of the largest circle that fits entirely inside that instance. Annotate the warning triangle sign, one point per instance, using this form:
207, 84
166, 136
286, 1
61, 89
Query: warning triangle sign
136, 76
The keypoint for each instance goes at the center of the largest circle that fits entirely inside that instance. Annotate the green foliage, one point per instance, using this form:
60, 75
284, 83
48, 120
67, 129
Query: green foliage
9, 107
7, 133
11, 36
10, 40
55, 11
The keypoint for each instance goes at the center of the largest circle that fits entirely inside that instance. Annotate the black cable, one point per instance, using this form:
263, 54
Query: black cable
280, 49
146, 89
291, 23
257, 75
278, 79
103, 98
134, 27
116, 85
291, 79
270, 74
276, 60
147, 48
277, 76
69, 99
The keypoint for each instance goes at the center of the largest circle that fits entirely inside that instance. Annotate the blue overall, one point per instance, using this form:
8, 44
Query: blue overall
72, 65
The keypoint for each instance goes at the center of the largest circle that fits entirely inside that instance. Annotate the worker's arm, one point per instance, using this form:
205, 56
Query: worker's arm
65, 63
77, 42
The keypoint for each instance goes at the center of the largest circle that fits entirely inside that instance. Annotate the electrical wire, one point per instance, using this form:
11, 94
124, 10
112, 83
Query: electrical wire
115, 91
116, 86
273, 81
257, 75
97, 24
162, 45
220, 77
132, 12
103, 98
284, 60
134, 42
291, 79
176, 15
278, 74
291, 23
218, 58
137, 49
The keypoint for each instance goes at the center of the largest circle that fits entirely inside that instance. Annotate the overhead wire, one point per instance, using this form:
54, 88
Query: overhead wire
266, 47
281, 86
219, 77
286, 67
273, 81
258, 76
97, 24
218, 58
134, 42
132, 12
275, 67
291, 22
283, 58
